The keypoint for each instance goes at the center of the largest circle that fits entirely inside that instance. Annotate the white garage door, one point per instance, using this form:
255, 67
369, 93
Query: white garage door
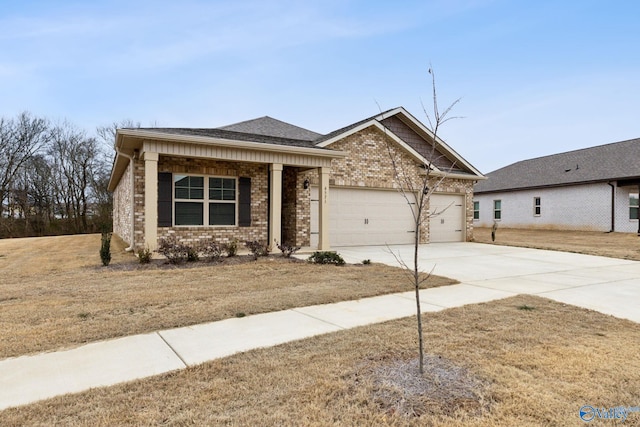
364, 217
447, 222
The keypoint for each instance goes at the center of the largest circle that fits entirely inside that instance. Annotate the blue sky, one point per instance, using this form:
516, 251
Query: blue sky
534, 78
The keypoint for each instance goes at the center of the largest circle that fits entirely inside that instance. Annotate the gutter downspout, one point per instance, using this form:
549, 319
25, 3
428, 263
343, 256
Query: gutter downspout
133, 198
613, 207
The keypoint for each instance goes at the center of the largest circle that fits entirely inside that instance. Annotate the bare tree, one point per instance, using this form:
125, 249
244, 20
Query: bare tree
20, 139
417, 189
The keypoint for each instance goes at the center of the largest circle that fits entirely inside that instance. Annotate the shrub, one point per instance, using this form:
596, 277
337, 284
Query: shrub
326, 257
366, 261
192, 254
288, 250
105, 248
175, 252
257, 248
231, 248
211, 251
144, 256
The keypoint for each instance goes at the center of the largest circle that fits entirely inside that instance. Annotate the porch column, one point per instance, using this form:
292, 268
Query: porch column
151, 200
275, 206
323, 210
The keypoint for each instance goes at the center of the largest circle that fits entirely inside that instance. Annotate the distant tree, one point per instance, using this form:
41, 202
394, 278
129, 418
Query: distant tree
20, 139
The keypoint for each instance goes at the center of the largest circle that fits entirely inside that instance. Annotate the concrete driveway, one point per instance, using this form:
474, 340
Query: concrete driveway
608, 285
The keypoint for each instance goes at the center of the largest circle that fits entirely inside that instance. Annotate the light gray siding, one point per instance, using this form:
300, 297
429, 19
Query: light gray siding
577, 207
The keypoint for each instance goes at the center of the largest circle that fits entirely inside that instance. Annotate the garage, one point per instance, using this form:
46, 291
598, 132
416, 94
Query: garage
447, 219
359, 217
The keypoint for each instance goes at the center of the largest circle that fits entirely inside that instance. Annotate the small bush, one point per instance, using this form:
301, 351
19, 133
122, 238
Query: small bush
192, 254
257, 248
326, 257
105, 248
175, 252
231, 248
366, 261
211, 251
288, 250
144, 256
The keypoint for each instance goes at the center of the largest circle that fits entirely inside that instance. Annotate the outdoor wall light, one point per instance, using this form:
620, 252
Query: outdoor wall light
305, 185
426, 190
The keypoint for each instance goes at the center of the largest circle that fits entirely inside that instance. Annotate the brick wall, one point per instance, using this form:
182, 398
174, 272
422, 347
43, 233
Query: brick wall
296, 208
368, 164
122, 207
193, 234
578, 207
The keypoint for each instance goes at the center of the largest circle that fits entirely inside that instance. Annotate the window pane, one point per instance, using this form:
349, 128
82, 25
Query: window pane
633, 200
196, 193
228, 194
215, 182
181, 180
229, 183
189, 213
633, 213
182, 193
497, 215
215, 194
222, 214
196, 181
497, 204
476, 206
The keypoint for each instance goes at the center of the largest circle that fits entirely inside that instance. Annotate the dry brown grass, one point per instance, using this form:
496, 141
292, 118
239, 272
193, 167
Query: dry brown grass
535, 367
614, 245
55, 294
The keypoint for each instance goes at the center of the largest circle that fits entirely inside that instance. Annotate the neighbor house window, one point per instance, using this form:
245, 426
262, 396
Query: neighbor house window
476, 210
633, 205
203, 200
536, 206
497, 209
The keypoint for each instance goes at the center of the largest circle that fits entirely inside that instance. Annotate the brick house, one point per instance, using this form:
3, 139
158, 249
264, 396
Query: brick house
271, 181
593, 189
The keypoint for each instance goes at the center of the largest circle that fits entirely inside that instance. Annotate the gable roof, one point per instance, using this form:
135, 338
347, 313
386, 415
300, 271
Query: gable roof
268, 126
455, 164
610, 162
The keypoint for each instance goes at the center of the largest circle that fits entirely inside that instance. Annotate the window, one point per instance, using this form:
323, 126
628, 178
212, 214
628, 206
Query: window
198, 197
497, 209
634, 205
536, 206
222, 205
476, 210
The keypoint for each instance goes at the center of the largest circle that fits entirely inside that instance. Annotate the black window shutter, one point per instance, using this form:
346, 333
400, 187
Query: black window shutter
244, 202
165, 199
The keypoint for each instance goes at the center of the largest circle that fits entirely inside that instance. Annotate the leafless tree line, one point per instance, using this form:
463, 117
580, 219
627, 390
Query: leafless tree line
53, 177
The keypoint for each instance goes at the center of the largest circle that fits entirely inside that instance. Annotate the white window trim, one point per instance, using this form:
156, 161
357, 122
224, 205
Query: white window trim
538, 206
637, 196
497, 210
205, 201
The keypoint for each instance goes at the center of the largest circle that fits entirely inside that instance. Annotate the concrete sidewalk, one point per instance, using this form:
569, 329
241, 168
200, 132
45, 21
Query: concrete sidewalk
487, 273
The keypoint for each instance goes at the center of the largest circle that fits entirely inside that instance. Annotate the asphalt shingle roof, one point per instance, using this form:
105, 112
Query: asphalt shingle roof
268, 126
610, 162
231, 135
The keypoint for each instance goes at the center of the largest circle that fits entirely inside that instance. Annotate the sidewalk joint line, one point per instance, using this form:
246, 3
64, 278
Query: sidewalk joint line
186, 365
295, 310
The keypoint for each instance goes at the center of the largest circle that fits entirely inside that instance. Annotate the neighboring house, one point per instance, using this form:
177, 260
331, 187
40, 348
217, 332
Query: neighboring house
267, 180
590, 189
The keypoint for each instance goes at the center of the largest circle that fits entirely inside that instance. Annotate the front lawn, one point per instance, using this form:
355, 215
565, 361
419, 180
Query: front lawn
54, 293
521, 361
